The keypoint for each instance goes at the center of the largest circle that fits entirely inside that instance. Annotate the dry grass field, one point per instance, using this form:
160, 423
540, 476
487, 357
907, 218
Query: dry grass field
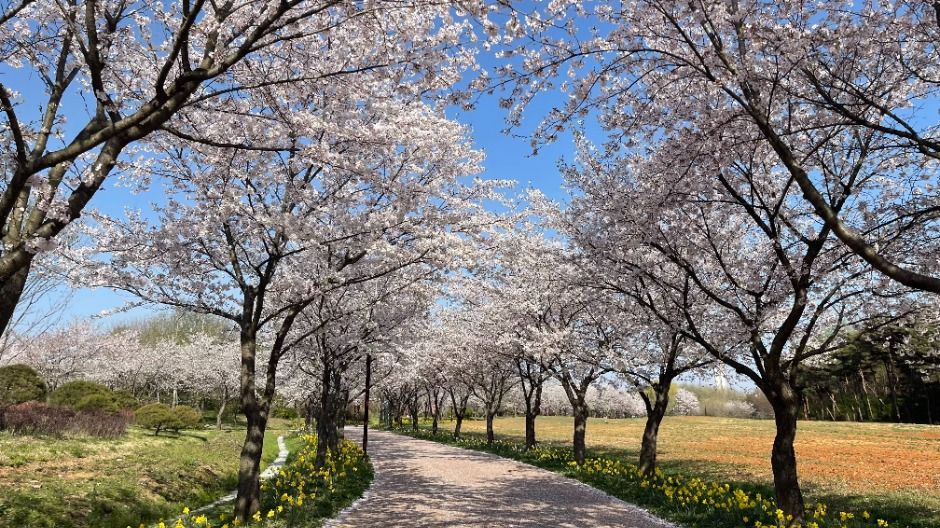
887, 466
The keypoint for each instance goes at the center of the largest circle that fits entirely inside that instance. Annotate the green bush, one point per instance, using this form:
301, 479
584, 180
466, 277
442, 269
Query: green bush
188, 417
162, 417
125, 400
72, 393
287, 413
20, 383
157, 416
97, 402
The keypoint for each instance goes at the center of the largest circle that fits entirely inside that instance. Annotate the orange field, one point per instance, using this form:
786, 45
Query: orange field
890, 465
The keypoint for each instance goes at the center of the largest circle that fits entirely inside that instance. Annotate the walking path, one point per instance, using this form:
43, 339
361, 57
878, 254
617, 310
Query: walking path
426, 484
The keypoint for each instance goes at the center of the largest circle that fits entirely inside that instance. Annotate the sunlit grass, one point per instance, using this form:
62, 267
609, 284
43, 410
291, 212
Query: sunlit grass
64, 483
886, 467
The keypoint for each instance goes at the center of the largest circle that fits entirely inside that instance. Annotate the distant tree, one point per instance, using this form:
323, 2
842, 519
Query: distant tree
887, 372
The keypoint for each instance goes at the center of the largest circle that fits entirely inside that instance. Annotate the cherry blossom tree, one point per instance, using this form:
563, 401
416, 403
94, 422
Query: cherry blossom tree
804, 81
759, 283
152, 71
725, 184
79, 350
363, 185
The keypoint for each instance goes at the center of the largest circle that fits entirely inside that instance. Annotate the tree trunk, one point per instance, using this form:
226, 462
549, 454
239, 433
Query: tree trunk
327, 433
365, 408
10, 293
490, 434
248, 499
218, 417
458, 425
783, 457
435, 419
655, 411
533, 408
580, 412
414, 411
529, 430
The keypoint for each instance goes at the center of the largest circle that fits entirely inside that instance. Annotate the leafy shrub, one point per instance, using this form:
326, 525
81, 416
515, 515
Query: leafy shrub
287, 413
161, 417
125, 400
34, 418
73, 392
188, 417
97, 402
20, 383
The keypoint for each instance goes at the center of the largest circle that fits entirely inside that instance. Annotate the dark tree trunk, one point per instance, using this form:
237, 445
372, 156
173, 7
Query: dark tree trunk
529, 430
310, 412
327, 438
580, 412
533, 408
365, 408
490, 434
435, 419
457, 425
248, 498
655, 411
10, 293
414, 409
783, 457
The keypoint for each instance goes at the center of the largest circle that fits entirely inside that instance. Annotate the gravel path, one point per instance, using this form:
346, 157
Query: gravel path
426, 484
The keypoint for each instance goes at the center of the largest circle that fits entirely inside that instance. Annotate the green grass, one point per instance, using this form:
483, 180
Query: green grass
325, 493
139, 478
890, 470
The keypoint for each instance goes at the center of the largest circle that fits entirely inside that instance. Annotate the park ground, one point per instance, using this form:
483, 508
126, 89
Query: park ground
81, 482
856, 466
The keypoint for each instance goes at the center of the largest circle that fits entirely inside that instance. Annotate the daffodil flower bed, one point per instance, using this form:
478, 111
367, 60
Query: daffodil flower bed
300, 494
692, 501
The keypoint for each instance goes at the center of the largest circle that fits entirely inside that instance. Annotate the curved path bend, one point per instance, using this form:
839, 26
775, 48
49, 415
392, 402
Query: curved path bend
419, 483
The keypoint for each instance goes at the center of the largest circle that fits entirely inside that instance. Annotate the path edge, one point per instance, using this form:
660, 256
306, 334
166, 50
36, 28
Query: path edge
333, 522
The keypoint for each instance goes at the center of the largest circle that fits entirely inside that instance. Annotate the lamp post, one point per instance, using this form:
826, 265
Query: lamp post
365, 412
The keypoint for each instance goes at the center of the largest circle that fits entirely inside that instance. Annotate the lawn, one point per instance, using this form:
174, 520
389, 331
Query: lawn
70, 482
858, 466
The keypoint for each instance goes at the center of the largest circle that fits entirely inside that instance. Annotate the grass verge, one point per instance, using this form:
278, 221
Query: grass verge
139, 478
300, 495
688, 500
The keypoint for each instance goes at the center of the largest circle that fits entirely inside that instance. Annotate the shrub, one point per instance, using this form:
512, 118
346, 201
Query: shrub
188, 417
287, 413
125, 400
73, 392
161, 417
157, 416
102, 424
97, 402
20, 383
34, 418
